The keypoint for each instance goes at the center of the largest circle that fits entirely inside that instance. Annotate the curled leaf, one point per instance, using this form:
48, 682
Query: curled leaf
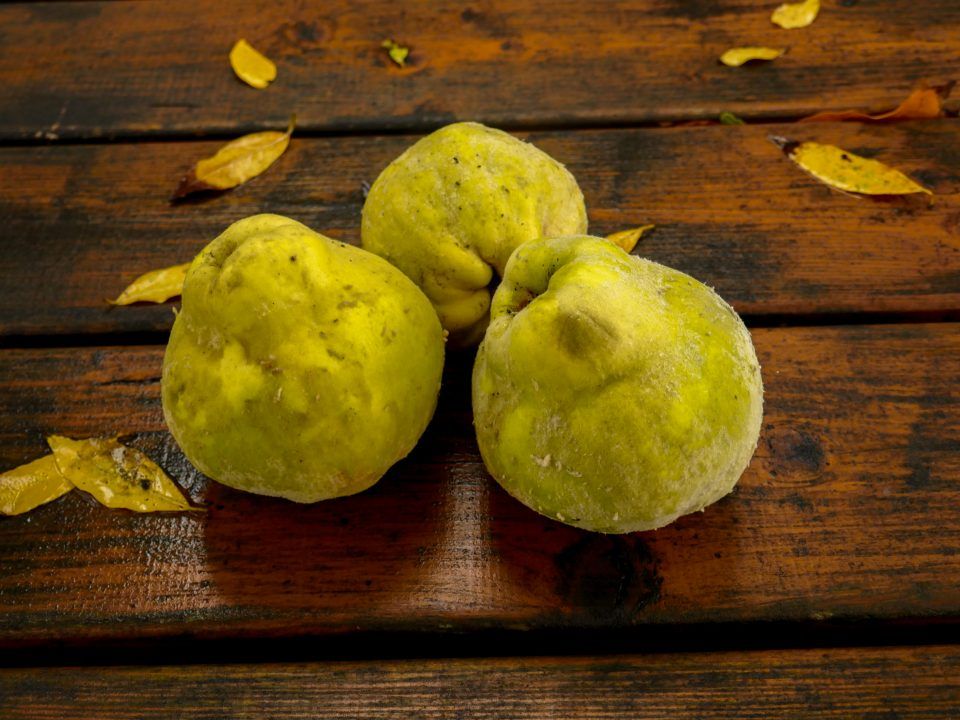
628, 239
735, 57
251, 66
31, 485
155, 286
847, 172
398, 53
116, 475
728, 118
796, 15
236, 162
924, 103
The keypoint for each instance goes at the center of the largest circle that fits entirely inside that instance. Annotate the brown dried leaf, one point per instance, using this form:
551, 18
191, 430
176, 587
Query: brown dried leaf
689, 123
116, 475
155, 286
31, 485
236, 162
924, 103
628, 239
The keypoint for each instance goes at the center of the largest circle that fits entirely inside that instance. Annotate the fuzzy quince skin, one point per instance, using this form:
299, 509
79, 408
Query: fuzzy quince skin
610, 392
449, 211
298, 367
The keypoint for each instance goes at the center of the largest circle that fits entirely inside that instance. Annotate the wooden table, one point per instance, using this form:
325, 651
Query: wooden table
827, 585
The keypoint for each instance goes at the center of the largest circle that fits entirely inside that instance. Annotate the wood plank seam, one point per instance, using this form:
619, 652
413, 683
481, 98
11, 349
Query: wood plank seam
847, 513
729, 210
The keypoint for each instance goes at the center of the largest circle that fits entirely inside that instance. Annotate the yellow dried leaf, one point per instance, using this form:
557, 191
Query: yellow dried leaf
236, 162
796, 15
251, 66
847, 172
116, 475
735, 57
31, 485
397, 53
628, 239
155, 286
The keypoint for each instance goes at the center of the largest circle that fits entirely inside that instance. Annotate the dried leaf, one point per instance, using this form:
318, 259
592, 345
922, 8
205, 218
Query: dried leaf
251, 66
796, 15
728, 118
31, 485
155, 286
236, 162
924, 103
116, 475
735, 57
847, 172
628, 239
397, 53
689, 123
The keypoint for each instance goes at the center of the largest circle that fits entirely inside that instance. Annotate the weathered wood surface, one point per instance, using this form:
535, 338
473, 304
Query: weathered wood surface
80, 222
850, 510
864, 683
91, 69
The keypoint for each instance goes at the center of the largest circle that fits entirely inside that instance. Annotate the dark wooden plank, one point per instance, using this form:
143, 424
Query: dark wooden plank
80, 222
864, 683
850, 510
91, 69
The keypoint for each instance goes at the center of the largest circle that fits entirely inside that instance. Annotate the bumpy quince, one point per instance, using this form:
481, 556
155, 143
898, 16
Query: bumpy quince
610, 392
299, 366
449, 211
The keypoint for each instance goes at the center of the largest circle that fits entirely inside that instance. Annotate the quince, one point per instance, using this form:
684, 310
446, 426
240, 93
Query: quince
299, 366
449, 211
610, 392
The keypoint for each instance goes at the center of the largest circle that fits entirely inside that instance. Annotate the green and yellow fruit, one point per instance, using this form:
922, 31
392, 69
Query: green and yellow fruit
299, 366
610, 392
451, 209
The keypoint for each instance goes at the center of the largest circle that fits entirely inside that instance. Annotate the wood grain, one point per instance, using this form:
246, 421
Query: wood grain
96, 69
865, 683
80, 222
849, 511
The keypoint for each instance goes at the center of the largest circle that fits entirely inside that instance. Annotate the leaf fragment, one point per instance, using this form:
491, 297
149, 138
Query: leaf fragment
705, 122
398, 53
31, 485
796, 15
251, 66
116, 475
728, 118
735, 57
236, 162
924, 103
844, 171
156, 286
628, 239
